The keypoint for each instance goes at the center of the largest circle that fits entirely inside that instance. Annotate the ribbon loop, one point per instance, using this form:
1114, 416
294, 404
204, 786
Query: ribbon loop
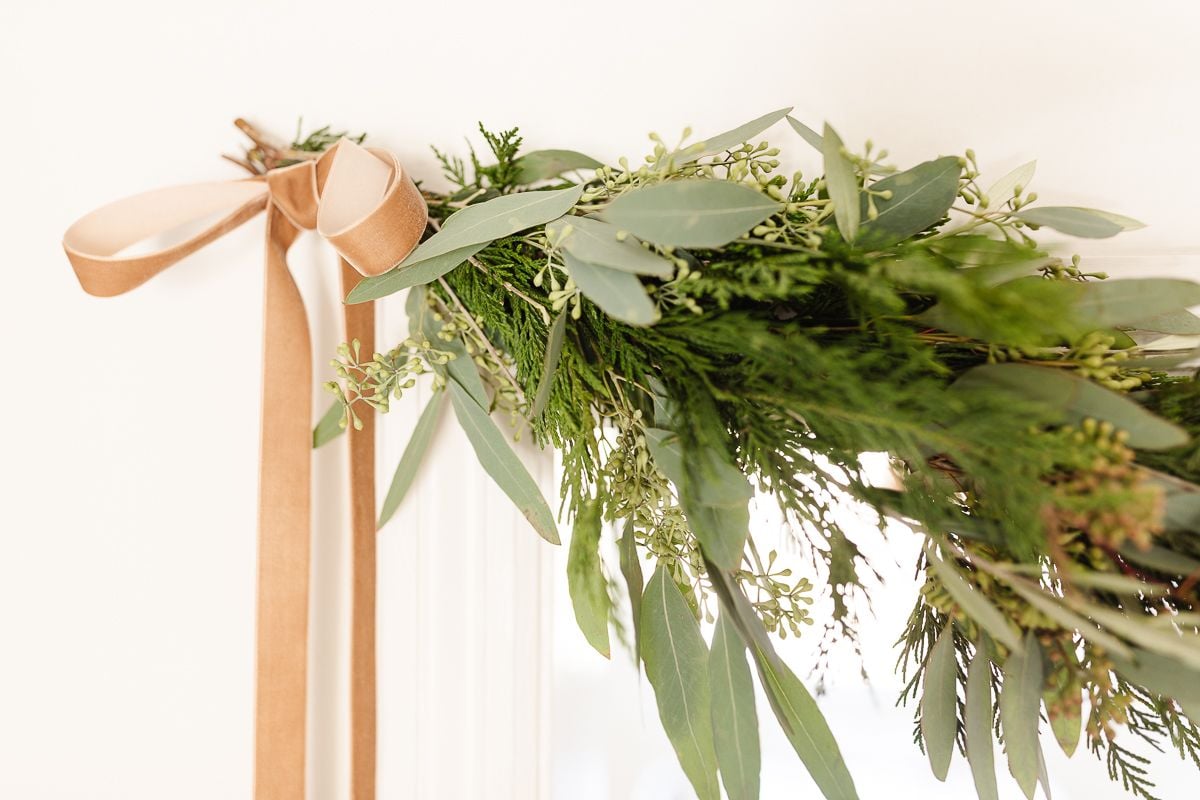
362, 202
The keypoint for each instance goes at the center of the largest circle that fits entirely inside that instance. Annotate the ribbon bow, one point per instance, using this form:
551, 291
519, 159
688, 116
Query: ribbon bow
364, 204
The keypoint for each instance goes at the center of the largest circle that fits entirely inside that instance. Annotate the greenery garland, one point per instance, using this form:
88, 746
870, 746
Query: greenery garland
697, 328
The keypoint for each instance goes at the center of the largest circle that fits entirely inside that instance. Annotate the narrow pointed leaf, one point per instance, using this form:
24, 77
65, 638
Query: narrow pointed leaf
919, 198
1002, 190
329, 427
1066, 726
1086, 223
975, 604
841, 183
978, 722
540, 165
1105, 304
713, 492
805, 727
585, 578
732, 138
461, 369
635, 583
405, 276
939, 699
554, 346
807, 134
1183, 323
734, 718
620, 295
1183, 512
1043, 775
410, 460
596, 242
1020, 701
677, 667
1075, 399
497, 458
1165, 676
690, 213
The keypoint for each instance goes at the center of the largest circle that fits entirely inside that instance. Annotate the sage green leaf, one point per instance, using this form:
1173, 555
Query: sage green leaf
939, 703
1183, 512
1020, 700
920, 197
805, 727
713, 493
715, 497
1164, 676
1075, 398
1087, 223
1183, 323
461, 368
1003, 190
1043, 775
841, 183
494, 219
1184, 649
410, 460
540, 165
329, 427
690, 213
807, 134
1064, 616
734, 718
597, 242
404, 276
667, 453
975, 604
619, 294
631, 571
977, 720
1066, 726
497, 458
554, 346
585, 577
1105, 304
677, 666
732, 138
1160, 558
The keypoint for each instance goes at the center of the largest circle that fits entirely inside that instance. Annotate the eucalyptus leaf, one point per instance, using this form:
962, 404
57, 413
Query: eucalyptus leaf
841, 183
919, 198
1066, 724
461, 368
631, 571
494, 219
497, 458
619, 294
977, 720
1183, 512
1003, 190
1165, 676
805, 727
734, 718
598, 242
540, 165
554, 346
975, 604
1086, 223
410, 460
1108, 303
939, 703
404, 276
691, 212
1183, 323
715, 497
1160, 558
807, 134
1075, 398
329, 427
731, 138
1020, 700
1184, 649
667, 454
1064, 616
677, 667
585, 578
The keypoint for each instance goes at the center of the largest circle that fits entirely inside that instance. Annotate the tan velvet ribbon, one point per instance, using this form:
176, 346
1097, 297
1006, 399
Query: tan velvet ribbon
363, 203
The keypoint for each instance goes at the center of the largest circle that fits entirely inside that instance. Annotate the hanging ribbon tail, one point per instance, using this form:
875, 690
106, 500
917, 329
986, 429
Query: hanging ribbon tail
362, 202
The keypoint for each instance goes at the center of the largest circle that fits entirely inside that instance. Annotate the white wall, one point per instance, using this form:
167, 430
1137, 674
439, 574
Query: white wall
127, 467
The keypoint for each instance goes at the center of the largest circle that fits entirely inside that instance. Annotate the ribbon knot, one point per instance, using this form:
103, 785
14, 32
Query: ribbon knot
363, 203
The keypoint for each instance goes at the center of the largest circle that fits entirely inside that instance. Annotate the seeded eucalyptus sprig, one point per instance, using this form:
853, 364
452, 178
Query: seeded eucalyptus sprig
698, 327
